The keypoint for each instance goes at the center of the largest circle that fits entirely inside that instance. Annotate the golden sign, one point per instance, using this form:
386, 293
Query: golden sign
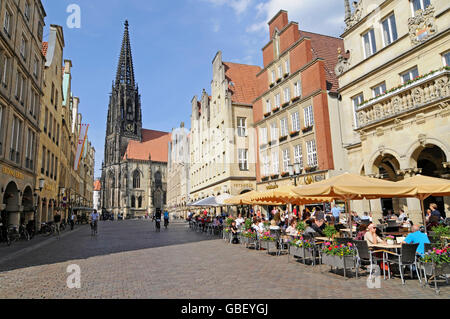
12, 172
308, 180
243, 185
272, 187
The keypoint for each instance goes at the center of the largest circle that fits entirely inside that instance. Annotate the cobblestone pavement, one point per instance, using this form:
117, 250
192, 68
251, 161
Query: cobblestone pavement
128, 259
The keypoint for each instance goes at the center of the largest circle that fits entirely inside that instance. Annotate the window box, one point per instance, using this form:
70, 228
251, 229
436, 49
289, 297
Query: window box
267, 114
295, 99
286, 74
284, 174
272, 85
309, 169
275, 176
283, 138
265, 178
307, 129
275, 109
294, 134
285, 104
279, 80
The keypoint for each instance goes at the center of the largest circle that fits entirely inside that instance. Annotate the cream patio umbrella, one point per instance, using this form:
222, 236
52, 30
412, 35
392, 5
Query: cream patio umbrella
351, 186
286, 194
247, 199
425, 187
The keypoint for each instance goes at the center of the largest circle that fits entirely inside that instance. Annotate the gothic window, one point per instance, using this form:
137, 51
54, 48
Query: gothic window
140, 201
133, 201
136, 179
158, 182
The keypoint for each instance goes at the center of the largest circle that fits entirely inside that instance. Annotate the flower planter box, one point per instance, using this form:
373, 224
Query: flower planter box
284, 174
265, 178
251, 241
295, 251
267, 114
279, 80
275, 110
307, 129
269, 245
310, 169
272, 85
442, 269
294, 134
295, 99
286, 75
304, 253
285, 104
282, 139
346, 262
274, 176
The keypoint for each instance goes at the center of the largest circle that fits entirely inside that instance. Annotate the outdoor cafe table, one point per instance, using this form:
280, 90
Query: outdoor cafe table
386, 247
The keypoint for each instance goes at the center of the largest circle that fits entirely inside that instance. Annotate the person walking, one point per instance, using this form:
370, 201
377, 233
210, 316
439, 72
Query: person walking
57, 221
72, 221
94, 222
336, 212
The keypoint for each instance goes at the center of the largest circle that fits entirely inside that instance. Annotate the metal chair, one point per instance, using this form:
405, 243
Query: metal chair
407, 257
366, 255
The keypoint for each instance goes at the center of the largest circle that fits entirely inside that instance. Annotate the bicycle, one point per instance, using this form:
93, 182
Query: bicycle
13, 234
4, 235
94, 227
23, 233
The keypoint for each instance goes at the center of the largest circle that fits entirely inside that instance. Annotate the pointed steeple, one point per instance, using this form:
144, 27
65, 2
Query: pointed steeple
125, 69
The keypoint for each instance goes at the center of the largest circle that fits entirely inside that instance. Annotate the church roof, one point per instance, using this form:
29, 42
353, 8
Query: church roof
44, 48
155, 144
242, 82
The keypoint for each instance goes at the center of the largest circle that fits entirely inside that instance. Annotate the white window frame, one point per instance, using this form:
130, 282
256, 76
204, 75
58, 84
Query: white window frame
274, 131
275, 163
312, 153
266, 165
287, 65
298, 88
295, 118
273, 76
421, 3
280, 72
243, 159
263, 135
268, 106
287, 94
389, 32
298, 155
308, 114
410, 74
286, 160
446, 55
381, 87
371, 41
277, 100
284, 127
242, 126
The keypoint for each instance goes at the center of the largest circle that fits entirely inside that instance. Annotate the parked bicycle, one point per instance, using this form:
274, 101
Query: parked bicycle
4, 238
23, 233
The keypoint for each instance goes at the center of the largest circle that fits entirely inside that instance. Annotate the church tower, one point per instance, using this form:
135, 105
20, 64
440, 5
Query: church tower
124, 122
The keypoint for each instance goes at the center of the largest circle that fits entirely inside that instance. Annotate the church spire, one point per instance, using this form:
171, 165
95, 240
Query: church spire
125, 70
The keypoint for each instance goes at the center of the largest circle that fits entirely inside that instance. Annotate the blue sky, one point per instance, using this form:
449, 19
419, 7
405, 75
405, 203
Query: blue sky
173, 44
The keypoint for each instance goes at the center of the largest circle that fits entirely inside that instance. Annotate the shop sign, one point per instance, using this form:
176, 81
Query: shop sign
12, 172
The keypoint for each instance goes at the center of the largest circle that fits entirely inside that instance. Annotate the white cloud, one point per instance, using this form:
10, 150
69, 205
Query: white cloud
239, 6
324, 16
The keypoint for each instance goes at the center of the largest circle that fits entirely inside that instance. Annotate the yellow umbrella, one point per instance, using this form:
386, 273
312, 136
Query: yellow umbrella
247, 199
351, 186
287, 195
425, 187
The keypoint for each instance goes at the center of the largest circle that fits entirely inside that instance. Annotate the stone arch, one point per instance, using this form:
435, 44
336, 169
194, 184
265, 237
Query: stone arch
419, 146
11, 200
247, 190
27, 201
376, 155
386, 165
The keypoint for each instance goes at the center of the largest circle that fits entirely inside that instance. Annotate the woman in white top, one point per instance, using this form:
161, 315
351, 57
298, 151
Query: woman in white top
273, 225
292, 229
371, 236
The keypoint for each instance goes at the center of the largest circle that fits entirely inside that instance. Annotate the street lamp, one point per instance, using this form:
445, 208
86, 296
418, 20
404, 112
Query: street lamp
294, 171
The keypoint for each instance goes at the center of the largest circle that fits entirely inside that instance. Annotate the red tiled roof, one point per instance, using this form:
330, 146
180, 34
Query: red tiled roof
326, 47
97, 186
154, 144
242, 80
44, 48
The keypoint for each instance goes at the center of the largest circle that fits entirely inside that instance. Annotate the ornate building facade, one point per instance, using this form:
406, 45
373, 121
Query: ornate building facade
135, 166
395, 87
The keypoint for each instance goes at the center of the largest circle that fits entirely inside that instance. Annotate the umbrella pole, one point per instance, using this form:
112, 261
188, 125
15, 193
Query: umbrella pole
423, 214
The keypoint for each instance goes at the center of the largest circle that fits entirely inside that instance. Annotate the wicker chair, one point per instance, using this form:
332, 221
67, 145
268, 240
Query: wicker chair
367, 256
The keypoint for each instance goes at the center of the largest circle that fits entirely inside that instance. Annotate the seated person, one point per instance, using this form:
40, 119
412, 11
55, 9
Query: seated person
433, 222
403, 215
273, 225
371, 235
418, 236
239, 221
309, 228
292, 229
365, 217
317, 226
362, 231
234, 232
258, 226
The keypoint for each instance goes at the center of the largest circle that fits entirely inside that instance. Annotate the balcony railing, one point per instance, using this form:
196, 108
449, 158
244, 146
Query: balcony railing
410, 97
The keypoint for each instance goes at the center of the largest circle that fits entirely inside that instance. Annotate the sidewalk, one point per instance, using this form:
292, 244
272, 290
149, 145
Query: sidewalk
22, 247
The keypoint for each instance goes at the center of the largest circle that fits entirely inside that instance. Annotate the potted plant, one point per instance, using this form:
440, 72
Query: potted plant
306, 129
390, 239
268, 241
272, 85
267, 114
285, 104
286, 74
284, 174
295, 99
274, 176
436, 262
279, 80
283, 138
229, 220
293, 133
439, 232
301, 226
339, 256
330, 231
275, 109
264, 178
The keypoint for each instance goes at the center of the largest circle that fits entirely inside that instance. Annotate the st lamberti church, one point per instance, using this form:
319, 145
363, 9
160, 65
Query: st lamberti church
135, 167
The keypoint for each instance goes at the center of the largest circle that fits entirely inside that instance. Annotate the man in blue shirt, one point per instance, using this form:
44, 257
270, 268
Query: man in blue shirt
336, 212
418, 236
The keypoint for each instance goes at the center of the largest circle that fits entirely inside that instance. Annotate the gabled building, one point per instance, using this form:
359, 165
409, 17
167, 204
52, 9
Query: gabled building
295, 112
221, 148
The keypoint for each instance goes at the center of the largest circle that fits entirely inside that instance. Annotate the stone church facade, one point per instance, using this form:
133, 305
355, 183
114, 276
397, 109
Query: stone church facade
134, 170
